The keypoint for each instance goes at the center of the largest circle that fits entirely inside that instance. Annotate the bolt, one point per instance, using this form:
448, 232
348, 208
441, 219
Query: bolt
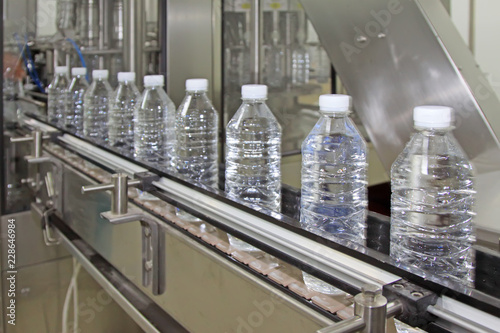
398, 286
416, 294
370, 291
148, 265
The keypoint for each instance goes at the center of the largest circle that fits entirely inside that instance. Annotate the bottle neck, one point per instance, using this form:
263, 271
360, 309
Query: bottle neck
196, 92
336, 114
433, 131
153, 87
254, 100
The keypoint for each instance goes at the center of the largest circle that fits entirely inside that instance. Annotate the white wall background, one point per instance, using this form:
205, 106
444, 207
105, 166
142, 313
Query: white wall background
46, 18
478, 22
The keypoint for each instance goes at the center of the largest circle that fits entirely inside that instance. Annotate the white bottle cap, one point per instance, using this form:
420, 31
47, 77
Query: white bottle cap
62, 70
335, 102
100, 74
197, 85
433, 116
126, 76
154, 80
254, 91
78, 71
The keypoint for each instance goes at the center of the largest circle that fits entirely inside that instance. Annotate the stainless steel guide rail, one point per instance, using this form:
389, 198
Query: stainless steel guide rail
319, 256
106, 159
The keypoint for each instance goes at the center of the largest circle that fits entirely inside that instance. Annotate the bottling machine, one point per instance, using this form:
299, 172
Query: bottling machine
152, 271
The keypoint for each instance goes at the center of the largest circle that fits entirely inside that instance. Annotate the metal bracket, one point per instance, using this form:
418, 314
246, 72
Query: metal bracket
147, 179
415, 300
47, 230
153, 239
153, 248
36, 138
44, 214
371, 312
119, 191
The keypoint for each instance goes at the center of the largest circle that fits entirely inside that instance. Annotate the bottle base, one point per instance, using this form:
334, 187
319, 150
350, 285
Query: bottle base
185, 216
238, 244
320, 286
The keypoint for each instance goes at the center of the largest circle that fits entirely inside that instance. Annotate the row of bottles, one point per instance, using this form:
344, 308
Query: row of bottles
432, 181
432, 204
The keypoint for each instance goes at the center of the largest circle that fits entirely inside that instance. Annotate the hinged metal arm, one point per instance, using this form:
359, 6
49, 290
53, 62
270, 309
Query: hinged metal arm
153, 239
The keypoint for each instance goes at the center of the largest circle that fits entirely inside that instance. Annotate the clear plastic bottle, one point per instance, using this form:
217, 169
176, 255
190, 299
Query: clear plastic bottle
89, 27
196, 129
275, 65
56, 104
121, 113
96, 107
300, 61
432, 200
334, 196
9, 97
253, 155
300, 65
73, 119
154, 132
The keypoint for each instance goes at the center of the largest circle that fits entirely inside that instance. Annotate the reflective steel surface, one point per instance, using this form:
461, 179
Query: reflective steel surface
395, 55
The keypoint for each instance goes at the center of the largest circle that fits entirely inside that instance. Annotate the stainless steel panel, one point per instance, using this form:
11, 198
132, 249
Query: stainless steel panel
41, 290
30, 248
193, 46
108, 287
394, 55
204, 292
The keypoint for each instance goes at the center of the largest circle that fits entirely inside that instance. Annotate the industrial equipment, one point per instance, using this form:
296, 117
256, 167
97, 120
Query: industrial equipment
151, 270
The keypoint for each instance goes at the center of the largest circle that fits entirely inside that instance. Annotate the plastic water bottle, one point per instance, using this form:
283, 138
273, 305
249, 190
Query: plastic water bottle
96, 107
73, 119
154, 132
300, 65
334, 196
196, 130
300, 61
9, 97
253, 139
432, 200
56, 104
121, 113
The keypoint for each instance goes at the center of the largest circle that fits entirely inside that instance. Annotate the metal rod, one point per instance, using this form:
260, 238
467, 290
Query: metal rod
97, 188
36, 94
256, 41
460, 321
394, 308
102, 52
21, 139
32, 101
120, 196
37, 144
347, 326
134, 182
